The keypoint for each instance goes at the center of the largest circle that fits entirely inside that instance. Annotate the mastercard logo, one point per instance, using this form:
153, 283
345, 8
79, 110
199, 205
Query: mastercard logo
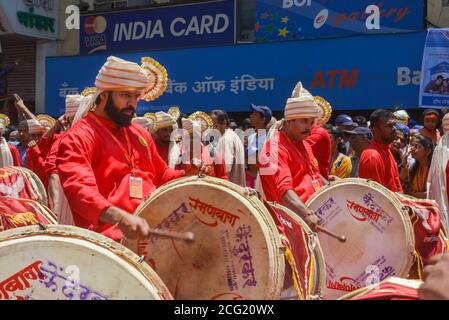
321, 18
95, 25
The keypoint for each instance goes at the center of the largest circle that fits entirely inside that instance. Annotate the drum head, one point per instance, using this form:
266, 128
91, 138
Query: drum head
380, 241
311, 268
64, 262
237, 253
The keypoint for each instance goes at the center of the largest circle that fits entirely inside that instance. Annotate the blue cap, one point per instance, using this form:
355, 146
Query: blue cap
418, 127
343, 120
361, 131
267, 114
403, 128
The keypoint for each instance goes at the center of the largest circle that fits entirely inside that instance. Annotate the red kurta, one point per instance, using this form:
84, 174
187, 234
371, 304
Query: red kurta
163, 152
320, 142
377, 163
95, 172
294, 168
15, 155
50, 161
218, 170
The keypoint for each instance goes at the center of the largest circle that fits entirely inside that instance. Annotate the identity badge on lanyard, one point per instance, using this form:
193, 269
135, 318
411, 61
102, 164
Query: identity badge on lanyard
316, 185
135, 187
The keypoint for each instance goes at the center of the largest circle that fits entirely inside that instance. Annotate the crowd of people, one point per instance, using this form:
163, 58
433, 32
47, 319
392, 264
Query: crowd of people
100, 160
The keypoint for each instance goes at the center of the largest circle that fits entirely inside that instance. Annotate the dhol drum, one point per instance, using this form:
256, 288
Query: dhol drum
69, 263
380, 239
390, 289
238, 252
15, 213
308, 257
19, 182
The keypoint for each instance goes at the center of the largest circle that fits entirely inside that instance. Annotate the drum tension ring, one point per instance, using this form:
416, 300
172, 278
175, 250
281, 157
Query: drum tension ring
142, 259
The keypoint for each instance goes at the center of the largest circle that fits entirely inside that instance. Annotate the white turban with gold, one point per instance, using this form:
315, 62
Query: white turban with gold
164, 120
301, 105
120, 75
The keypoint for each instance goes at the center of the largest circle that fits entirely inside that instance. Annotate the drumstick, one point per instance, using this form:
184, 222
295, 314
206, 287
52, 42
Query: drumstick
186, 236
330, 233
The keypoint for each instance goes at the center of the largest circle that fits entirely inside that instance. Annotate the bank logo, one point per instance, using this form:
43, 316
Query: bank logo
95, 39
321, 19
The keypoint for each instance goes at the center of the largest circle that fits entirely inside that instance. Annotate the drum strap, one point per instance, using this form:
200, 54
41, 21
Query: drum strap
419, 264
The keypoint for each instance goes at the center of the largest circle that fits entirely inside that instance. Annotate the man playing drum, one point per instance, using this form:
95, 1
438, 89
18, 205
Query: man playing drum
108, 165
377, 162
288, 169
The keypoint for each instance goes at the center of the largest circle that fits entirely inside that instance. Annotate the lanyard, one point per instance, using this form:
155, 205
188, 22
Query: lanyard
126, 152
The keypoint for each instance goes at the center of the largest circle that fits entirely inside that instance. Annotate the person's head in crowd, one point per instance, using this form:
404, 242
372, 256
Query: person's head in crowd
401, 141
432, 119
422, 149
166, 123
344, 122
360, 121
402, 116
300, 114
383, 126
246, 124
24, 136
220, 119
360, 139
14, 136
35, 129
446, 123
233, 125
336, 138
260, 116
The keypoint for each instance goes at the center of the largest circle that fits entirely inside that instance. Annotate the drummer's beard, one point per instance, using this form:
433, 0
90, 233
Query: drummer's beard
119, 117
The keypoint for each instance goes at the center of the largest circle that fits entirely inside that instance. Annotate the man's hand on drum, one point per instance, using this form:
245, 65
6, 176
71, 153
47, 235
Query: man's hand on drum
436, 279
196, 167
312, 220
133, 227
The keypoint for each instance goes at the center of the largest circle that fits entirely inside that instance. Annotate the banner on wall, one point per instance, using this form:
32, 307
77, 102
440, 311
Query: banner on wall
434, 89
367, 73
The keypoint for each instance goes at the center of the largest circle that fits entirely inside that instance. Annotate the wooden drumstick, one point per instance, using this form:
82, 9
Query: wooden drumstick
330, 233
186, 236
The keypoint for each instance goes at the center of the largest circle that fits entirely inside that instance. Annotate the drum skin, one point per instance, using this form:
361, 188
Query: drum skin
380, 238
237, 253
70, 263
313, 278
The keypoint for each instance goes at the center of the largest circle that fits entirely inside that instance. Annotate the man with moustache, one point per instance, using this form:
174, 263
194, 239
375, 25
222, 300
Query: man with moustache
106, 164
288, 169
377, 162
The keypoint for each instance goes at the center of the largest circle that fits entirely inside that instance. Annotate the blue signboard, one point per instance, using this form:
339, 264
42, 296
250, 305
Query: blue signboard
363, 72
200, 24
280, 20
434, 92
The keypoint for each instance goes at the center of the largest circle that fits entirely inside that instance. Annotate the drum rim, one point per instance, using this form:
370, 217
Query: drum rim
410, 283
408, 227
119, 251
269, 229
319, 255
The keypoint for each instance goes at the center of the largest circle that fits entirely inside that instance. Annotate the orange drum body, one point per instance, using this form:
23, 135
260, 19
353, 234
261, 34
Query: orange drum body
380, 239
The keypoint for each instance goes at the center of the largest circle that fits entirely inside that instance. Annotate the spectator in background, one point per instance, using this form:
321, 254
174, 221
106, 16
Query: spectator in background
360, 121
415, 177
260, 119
402, 117
377, 162
246, 124
360, 139
341, 165
432, 121
399, 147
13, 138
343, 122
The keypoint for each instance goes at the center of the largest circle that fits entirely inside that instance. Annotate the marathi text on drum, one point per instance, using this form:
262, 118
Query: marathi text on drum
340, 285
208, 209
171, 220
326, 206
242, 235
367, 213
19, 281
